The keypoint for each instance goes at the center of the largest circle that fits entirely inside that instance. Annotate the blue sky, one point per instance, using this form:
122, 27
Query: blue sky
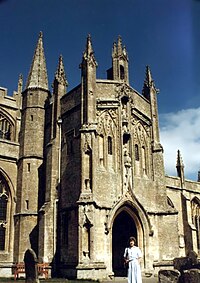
164, 34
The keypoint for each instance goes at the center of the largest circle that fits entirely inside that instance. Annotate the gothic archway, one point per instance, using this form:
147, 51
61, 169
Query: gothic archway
123, 227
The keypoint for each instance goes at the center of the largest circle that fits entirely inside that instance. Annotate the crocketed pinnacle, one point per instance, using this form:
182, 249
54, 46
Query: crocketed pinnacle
179, 162
148, 83
180, 168
88, 55
119, 50
37, 77
119, 45
20, 84
60, 73
148, 79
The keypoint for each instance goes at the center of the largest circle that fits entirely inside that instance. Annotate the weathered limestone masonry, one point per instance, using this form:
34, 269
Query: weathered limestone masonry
83, 170
30, 162
9, 152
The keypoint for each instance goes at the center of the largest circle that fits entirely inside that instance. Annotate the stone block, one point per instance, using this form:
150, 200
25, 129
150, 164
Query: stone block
166, 276
182, 263
191, 276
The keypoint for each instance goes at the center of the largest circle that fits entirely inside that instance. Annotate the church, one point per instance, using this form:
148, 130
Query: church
83, 170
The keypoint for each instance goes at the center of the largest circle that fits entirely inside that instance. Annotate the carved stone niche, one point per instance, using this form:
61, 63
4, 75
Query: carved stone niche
124, 101
126, 137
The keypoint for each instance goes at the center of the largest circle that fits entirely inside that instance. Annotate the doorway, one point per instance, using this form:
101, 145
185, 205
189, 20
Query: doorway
123, 227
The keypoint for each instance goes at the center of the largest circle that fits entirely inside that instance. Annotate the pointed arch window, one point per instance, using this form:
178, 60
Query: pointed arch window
4, 213
5, 128
122, 75
101, 149
2, 237
137, 156
196, 219
3, 207
144, 169
110, 150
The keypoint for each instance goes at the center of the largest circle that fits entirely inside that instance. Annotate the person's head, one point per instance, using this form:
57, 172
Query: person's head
132, 241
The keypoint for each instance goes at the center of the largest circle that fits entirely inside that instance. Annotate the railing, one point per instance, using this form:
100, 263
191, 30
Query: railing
43, 269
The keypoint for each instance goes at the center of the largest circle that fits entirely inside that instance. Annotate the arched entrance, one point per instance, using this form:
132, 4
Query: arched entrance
123, 227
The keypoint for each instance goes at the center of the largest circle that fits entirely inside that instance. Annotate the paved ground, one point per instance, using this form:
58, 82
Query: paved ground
124, 280
115, 280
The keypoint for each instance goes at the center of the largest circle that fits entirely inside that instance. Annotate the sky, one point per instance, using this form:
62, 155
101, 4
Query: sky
163, 34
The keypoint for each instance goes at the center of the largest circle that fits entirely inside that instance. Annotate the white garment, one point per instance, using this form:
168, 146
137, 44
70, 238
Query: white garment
134, 271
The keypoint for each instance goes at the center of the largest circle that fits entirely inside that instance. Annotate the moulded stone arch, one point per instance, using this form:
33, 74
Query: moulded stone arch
142, 140
196, 199
10, 120
136, 128
195, 211
140, 219
7, 222
9, 182
129, 206
102, 116
7, 116
195, 206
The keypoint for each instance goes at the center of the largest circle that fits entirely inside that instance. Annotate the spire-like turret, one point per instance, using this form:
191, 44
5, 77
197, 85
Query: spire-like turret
150, 92
114, 50
148, 83
37, 77
30, 164
59, 89
119, 69
60, 73
20, 84
179, 162
88, 54
119, 45
88, 73
18, 94
180, 168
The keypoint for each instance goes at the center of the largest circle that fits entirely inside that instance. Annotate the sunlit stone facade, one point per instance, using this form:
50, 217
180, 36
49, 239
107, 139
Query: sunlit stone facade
82, 170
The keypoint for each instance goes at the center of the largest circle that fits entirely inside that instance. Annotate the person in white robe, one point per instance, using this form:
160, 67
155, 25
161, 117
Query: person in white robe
132, 257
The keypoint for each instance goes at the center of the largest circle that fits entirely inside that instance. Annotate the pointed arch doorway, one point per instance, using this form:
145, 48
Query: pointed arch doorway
123, 227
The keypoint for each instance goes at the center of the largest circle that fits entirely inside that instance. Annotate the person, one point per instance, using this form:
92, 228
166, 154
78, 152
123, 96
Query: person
132, 257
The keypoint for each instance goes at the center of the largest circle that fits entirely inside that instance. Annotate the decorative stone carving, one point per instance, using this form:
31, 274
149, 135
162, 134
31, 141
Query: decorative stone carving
127, 166
107, 121
123, 89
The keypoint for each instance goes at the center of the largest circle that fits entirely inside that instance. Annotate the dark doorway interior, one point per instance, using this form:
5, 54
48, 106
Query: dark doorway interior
123, 228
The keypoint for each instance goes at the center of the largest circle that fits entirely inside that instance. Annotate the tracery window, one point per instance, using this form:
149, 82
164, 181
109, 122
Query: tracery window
196, 218
5, 128
4, 201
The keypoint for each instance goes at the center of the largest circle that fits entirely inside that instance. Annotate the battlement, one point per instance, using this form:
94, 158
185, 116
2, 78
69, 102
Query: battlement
9, 100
